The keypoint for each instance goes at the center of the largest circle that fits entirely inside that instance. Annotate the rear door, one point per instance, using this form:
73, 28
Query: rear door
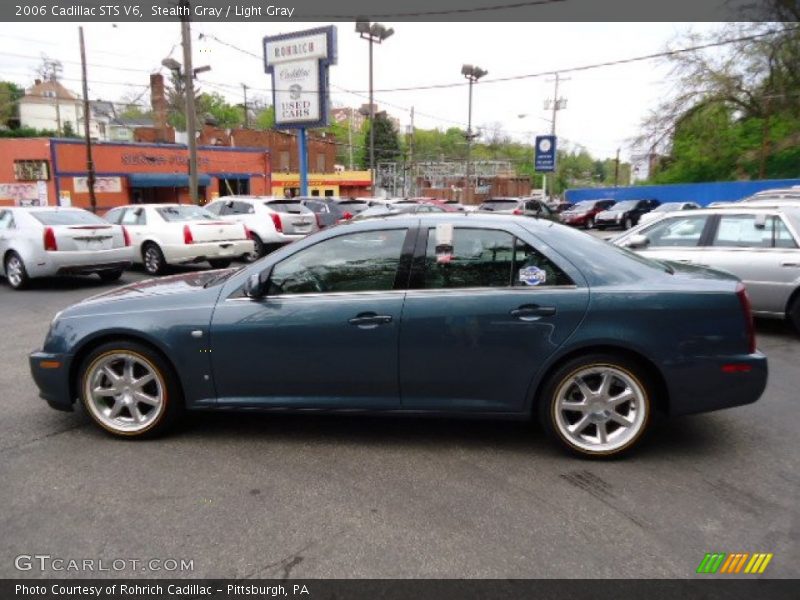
485, 310
678, 238
762, 253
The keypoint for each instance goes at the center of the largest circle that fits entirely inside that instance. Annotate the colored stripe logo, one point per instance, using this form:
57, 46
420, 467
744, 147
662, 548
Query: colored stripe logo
734, 563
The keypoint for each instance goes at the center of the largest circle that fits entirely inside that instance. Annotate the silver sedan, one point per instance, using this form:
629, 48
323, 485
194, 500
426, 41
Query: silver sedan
758, 244
44, 241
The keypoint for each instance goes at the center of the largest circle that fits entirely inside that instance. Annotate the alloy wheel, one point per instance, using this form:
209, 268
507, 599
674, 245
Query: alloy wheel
600, 408
14, 271
152, 260
125, 392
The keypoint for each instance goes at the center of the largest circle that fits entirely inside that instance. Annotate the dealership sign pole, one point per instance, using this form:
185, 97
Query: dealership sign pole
298, 63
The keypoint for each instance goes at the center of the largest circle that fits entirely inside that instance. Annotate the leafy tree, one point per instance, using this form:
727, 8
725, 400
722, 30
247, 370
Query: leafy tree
67, 130
387, 144
10, 94
215, 106
265, 118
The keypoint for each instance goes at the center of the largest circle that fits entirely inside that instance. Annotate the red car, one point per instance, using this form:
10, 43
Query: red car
584, 212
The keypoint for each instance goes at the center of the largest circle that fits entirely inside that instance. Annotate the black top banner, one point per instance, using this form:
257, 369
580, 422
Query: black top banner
407, 10
400, 589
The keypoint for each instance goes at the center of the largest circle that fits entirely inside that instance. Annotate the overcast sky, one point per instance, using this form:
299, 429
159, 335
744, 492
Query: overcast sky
604, 106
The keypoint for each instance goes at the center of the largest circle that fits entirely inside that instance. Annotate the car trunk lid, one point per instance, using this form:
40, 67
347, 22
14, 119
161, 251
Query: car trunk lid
294, 217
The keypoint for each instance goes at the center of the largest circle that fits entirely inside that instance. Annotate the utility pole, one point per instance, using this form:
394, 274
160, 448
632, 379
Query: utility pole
350, 137
86, 118
557, 104
246, 115
616, 169
413, 187
188, 74
473, 74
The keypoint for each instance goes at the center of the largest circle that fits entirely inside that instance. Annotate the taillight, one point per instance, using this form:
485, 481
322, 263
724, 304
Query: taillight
747, 309
276, 220
50, 239
126, 236
187, 235
247, 233
517, 211
319, 221
347, 216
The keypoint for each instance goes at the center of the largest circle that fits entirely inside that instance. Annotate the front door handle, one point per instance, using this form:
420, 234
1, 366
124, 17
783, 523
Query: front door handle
533, 312
783, 264
369, 320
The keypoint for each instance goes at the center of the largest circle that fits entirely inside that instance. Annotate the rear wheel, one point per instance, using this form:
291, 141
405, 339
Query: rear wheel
219, 263
110, 276
153, 259
597, 405
16, 273
259, 249
628, 223
129, 390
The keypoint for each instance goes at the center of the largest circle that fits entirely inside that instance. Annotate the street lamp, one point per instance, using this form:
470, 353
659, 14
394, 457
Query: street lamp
374, 33
190, 74
473, 74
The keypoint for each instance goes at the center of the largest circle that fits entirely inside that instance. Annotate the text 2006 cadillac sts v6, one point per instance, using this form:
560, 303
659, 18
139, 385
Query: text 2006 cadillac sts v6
446, 314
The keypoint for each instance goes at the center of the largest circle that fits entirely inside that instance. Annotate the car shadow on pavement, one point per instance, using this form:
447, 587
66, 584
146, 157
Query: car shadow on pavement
776, 327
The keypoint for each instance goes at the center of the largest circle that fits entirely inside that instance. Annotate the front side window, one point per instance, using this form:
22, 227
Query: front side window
783, 237
682, 232
743, 231
486, 258
6, 220
357, 262
215, 208
134, 216
184, 213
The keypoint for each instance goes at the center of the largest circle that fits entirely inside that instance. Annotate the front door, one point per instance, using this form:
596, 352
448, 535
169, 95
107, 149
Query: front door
485, 312
326, 333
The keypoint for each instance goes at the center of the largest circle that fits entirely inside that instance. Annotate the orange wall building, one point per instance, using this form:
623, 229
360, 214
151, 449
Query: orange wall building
50, 171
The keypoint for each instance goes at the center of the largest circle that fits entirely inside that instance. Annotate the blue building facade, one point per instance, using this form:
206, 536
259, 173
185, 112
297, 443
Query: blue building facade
702, 193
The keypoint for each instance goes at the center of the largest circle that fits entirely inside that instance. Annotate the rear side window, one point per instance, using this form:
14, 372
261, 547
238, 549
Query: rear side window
134, 216
743, 231
184, 213
680, 232
67, 217
113, 215
486, 258
6, 220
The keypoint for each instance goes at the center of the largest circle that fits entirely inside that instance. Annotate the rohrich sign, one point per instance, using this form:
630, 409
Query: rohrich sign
298, 63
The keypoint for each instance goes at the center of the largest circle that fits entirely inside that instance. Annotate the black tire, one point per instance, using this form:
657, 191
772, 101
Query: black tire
793, 314
21, 280
562, 382
219, 263
110, 276
258, 251
153, 259
627, 223
588, 223
172, 405
601, 227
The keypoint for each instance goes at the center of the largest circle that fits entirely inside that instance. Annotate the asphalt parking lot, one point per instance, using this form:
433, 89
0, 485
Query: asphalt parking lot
285, 496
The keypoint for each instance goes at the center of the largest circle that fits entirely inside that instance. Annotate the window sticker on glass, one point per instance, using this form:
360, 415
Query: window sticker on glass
444, 243
532, 276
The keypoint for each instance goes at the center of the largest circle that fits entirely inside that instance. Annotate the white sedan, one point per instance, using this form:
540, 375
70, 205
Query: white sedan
45, 241
665, 208
177, 234
272, 221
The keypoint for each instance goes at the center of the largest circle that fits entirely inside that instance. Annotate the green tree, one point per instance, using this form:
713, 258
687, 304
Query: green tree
10, 94
387, 143
265, 118
215, 106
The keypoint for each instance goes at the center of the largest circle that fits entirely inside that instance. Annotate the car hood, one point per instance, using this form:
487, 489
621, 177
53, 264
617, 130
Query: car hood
610, 213
161, 286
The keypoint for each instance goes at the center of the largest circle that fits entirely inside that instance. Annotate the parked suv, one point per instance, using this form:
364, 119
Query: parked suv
272, 221
624, 214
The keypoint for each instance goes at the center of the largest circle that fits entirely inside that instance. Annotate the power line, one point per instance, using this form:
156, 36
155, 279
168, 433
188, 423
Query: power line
453, 11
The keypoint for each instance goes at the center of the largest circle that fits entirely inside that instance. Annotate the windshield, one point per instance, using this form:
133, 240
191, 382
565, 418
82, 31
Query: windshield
625, 205
287, 206
668, 207
174, 214
584, 205
67, 217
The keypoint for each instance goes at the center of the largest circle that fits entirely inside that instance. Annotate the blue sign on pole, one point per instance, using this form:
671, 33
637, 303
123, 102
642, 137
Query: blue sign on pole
545, 154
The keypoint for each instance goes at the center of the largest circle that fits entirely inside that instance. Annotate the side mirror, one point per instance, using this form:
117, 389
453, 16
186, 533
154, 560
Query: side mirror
253, 287
760, 221
637, 241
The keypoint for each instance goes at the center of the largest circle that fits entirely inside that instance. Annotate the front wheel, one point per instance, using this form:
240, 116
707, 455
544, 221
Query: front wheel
597, 406
259, 250
627, 224
589, 223
16, 273
129, 390
219, 263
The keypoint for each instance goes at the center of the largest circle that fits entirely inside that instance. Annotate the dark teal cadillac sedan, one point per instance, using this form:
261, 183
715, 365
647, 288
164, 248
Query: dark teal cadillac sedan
443, 314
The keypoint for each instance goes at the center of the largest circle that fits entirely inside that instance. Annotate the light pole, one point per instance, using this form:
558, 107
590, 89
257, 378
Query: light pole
473, 74
188, 76
374, 33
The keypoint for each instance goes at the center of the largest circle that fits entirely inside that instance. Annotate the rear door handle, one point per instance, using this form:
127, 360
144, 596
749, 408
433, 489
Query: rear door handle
783, 264
369, 320
533, 312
